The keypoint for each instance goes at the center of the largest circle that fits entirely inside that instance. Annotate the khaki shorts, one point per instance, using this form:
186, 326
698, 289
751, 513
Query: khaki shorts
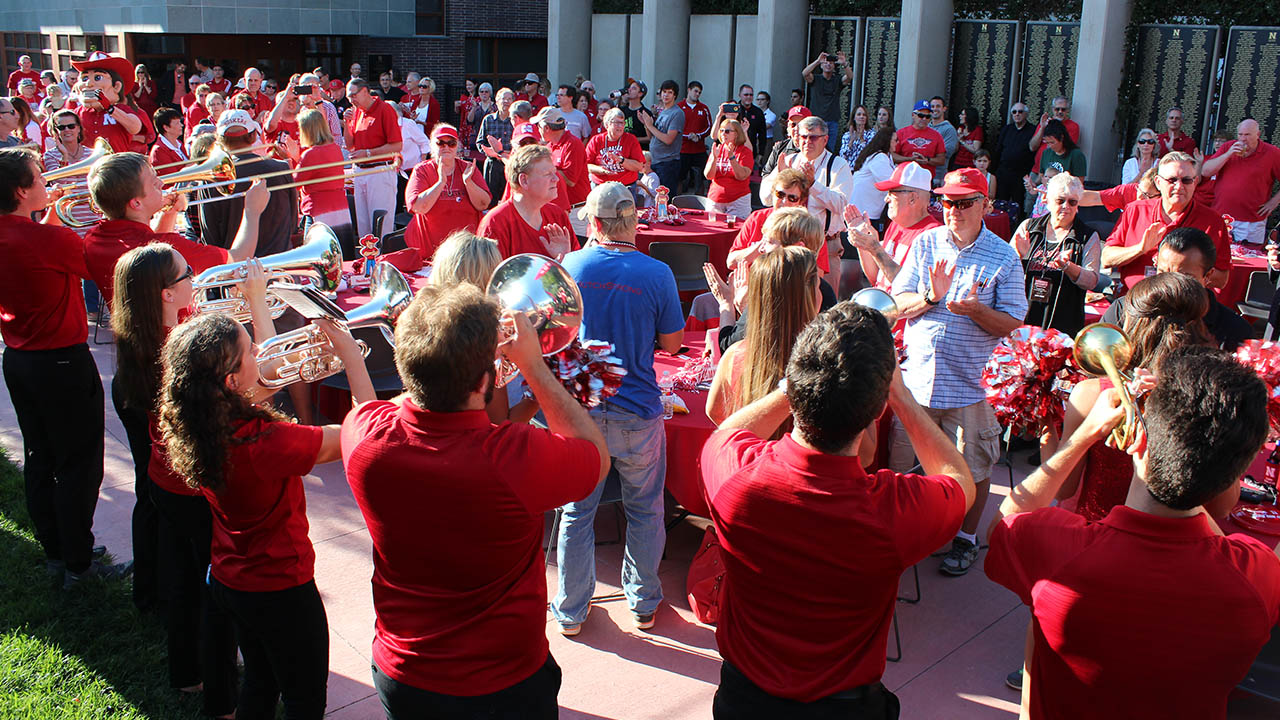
974, 430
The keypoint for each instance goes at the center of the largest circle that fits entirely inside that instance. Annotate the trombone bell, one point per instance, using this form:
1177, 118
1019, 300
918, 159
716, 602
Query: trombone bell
218, 167
101, 149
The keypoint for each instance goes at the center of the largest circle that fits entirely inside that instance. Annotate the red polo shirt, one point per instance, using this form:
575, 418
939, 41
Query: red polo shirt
109, 239
1116, 198
260, 541
41, 303
1243, 185
1138, 216
96, 125
261, 101
538, 101
514, 236
162, 154
158, 468
753, 232
570, 157
375, 127
813, 550
18, 76
472, 620
697, 119
1185, 143
193, 114
1136, 616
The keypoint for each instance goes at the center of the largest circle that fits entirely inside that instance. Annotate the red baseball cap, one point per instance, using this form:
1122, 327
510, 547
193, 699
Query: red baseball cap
965, 181
526, 130
446, 131
336, 84
798, 112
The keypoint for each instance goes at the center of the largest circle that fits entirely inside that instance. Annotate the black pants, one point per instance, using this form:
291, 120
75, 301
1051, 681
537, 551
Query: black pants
691, 178
146, 520
532, 698
201, 636
740, 699
495, 178
284, 637
57, 396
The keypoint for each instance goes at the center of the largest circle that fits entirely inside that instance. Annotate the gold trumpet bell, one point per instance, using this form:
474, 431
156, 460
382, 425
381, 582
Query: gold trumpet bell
218, 167
318, 259
1103, 350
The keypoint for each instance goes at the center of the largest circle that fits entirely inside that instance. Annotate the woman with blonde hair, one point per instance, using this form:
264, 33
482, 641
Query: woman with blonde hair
464, 257
729, 170
326, 201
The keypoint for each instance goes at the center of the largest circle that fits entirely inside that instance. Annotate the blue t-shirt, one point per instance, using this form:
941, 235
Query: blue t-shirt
628, 299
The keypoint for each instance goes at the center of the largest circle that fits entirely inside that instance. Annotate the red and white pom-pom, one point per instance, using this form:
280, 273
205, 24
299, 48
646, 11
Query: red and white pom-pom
1028, 377
588, 370
1263, 357
695, 371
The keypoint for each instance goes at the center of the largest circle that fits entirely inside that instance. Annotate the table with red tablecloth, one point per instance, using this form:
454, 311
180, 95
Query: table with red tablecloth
1244, 262
686, 434
996, 221
716, 235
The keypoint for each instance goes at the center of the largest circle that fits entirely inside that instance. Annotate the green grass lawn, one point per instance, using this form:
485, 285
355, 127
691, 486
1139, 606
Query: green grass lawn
87, 653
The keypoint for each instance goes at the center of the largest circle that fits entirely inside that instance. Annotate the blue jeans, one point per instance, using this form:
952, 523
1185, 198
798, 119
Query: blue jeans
833, 135
639, 451
668, 173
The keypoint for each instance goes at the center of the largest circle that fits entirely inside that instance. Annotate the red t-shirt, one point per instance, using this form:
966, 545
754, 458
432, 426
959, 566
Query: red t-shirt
41, 304
514, 236
926, 141
538, 101
1073, 130
470, 621
109, 239
1185, 143
260, 541
1243, 185
18, 76
452, 210
285, 126
963, 157
1136, 615
193, 114
375, 127
897, 243
1138, 216
95, 126
570, 157
161, 154
262, 103
1116, 198
322, 197
753, 231
725, 188
697, 119
609, 155
813, 548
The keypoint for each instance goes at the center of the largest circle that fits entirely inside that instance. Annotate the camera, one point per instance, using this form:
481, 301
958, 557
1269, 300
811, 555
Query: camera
303, 89
730, 108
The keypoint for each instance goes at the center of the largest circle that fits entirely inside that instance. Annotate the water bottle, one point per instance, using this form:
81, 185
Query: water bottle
667, 387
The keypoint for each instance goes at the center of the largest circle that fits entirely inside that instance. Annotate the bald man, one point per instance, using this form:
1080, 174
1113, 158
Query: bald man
1245, 171
263, 103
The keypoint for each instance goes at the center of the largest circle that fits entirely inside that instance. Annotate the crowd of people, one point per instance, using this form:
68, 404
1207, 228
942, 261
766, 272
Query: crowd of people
839, 460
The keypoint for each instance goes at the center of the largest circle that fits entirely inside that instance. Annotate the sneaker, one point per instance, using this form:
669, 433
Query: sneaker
570, 629
644, 622
55, 569
97, 570
1014, 680
99, 551
957, 561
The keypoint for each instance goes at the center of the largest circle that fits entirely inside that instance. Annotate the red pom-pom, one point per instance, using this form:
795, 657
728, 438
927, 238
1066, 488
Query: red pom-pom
1263, 357
1028, 377
588, 370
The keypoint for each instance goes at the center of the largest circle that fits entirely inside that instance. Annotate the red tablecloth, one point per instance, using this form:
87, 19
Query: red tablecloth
1256, 469
1241, 267
715, 235
997, 222
686, 434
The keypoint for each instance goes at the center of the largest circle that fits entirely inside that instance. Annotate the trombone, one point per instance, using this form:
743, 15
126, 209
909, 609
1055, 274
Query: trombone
218, 167
101, 149
1104, 349
306, 355
235, 161
286, 186
318, 259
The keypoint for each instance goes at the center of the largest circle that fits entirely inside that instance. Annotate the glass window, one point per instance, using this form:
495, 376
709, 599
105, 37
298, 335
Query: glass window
430, 17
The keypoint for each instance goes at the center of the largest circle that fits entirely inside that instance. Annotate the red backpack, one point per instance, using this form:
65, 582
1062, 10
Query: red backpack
706, 579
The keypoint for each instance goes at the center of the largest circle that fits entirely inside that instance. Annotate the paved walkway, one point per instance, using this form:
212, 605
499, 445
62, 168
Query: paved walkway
957, 643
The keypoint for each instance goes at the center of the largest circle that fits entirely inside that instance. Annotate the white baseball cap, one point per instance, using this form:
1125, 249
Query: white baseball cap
237, 122
908, 175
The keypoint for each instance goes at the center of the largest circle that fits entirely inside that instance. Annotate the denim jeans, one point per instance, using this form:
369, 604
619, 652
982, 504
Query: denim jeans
833, 135
639, 451
668, 173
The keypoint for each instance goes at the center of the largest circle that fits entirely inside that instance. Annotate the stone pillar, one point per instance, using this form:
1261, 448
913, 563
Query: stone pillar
664, 45
568, 40
1093, 101
924, 54
781, 31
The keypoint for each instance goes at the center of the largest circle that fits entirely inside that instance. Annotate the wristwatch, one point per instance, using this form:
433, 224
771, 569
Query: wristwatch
927, 299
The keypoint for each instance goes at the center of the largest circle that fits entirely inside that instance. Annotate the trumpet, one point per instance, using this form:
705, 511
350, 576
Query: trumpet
318, 259
306, 355
101, 149
1104, 349
544, 292
878, 300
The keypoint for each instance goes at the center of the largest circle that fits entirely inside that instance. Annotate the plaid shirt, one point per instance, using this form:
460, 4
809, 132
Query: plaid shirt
500, 128
946, 352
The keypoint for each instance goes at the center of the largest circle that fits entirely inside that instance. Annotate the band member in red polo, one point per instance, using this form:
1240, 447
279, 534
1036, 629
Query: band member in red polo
530, 222
105, 80
461, 634
445, 194
1151, 611
52, 379
372, 128
813, 545
263, 103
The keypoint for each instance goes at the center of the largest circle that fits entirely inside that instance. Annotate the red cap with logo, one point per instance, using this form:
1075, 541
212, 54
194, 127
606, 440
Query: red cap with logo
965, 181
798, 112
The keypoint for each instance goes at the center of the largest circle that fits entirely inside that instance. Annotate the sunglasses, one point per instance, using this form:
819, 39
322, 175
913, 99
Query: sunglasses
786, 196
1059, 109
447, 142
1019, 112
188, 273
424, 87
1176, 180
924, 115
72, 126
812, 137
1147, 141
961, 204
1066, 201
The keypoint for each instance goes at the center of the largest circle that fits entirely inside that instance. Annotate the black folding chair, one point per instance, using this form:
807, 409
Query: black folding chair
692, 202
685, 260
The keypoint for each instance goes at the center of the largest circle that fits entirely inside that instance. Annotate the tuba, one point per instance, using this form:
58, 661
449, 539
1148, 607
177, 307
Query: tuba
318, 259
543, 291
1103, 349
305, 355
878, 300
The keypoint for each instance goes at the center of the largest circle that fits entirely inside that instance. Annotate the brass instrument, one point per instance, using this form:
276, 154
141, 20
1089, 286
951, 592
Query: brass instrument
318, 259
234, 161
878, 300
542, 290
288, 186
306, 355
217, 169
101, 149
1104, 349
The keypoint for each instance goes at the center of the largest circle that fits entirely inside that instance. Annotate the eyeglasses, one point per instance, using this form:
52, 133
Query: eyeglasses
812, 137
72, 126
1059, 109
965, 204
188, 273
10, 111
1147, 141
779, 194
1065, 201
1176, 180
447, 142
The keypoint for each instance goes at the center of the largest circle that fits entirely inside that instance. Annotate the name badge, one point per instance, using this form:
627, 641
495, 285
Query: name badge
1040, 289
